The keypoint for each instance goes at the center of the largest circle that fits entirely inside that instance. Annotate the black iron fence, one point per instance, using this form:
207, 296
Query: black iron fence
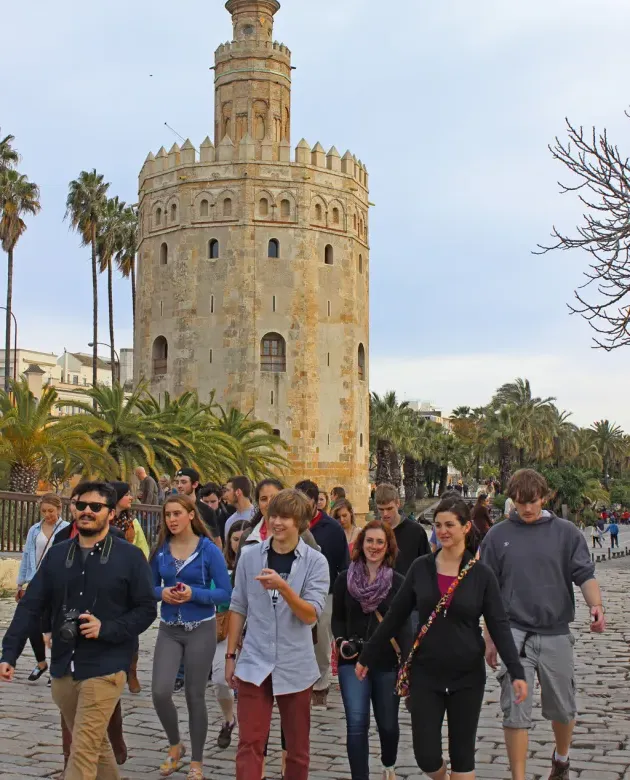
19, 511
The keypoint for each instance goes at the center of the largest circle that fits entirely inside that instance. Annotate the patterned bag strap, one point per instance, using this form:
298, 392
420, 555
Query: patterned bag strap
402, 684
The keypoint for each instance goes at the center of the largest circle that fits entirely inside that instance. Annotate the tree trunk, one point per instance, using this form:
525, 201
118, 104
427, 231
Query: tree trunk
421, 488
133, 292
521, 457
7, 342
23, 479
505, 463
110, 303
443, 478
478, 467
383, 472
94, 314
410, 480
605, 472
395, 469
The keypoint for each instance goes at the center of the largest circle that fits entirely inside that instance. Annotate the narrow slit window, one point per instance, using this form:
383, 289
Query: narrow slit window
204, 208
328, 255
161, 308
210, 356
272, 397
273, 303
360, 440
329, 360
274, 248
174, 213
329, 308
212, 304
213, 249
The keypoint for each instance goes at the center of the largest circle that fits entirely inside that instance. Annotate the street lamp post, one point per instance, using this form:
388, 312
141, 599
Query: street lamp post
8, 357
115, 373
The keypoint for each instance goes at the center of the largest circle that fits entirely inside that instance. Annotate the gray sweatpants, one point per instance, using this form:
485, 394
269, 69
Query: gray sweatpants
197, 649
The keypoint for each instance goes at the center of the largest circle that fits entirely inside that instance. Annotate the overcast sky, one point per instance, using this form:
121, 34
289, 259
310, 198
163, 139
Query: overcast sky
450, 105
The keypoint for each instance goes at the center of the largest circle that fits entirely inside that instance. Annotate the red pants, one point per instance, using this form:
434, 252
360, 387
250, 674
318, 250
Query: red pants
254, 718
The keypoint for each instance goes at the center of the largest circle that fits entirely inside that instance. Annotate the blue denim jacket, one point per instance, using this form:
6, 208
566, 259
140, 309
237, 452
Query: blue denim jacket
28, 564
204, 567
276, 642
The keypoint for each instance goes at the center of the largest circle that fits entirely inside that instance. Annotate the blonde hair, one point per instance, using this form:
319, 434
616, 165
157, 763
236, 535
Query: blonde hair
52, 499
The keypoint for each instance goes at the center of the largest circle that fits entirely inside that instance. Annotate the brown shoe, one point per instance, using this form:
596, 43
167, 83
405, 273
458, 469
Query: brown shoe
116, 737
559, 771
132, 677
319, 700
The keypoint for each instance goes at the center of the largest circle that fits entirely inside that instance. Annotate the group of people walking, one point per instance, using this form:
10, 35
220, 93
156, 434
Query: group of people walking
259, 601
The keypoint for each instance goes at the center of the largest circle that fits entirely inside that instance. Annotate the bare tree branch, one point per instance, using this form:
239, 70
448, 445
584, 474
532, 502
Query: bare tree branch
603, 188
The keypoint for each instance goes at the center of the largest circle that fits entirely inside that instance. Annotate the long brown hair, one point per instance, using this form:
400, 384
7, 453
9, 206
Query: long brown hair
228, 552
187, 503
343, 503
392, 548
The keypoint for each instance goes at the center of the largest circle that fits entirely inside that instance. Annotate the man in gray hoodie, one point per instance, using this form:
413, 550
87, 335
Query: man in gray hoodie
537, 558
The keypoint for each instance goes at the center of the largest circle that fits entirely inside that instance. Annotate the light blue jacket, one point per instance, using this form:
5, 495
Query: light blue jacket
276, 642
203, 568
28, 565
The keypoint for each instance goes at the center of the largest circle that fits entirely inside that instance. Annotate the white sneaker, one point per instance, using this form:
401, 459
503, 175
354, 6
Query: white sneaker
389, 774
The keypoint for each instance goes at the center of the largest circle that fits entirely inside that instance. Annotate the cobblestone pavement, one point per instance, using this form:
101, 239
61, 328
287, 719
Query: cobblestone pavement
30, 743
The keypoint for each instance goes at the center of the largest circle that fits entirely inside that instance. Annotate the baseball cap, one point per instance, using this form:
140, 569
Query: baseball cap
192, 473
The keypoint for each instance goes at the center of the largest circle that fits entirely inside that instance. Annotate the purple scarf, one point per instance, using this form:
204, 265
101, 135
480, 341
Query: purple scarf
369, 594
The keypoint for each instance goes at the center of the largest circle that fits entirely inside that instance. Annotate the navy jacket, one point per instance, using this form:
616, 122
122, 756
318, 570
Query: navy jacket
114, 584
333, 544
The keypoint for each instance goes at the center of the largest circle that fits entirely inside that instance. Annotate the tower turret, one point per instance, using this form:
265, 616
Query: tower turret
253, 80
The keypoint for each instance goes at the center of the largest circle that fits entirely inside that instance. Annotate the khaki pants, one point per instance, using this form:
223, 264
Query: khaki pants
87, 706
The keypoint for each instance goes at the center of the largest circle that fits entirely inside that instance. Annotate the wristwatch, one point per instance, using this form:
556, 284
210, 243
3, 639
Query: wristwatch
230, 656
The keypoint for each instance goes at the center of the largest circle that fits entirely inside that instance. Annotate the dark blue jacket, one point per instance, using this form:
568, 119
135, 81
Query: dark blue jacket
114, 584
333, 544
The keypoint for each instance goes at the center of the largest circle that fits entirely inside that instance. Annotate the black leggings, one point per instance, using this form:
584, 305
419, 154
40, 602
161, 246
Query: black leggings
463, 708
37, 642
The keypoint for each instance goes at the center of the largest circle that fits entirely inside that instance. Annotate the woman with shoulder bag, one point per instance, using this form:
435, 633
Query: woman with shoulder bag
223, 692
445, 670
38, 541
362, 597
190, 578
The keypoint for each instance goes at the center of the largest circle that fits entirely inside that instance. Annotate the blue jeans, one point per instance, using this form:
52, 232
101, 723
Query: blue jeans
379, 689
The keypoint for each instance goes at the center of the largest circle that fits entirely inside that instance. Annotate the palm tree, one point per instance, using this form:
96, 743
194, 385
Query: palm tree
34, 442
126, 252
84, 207
528, 413
8, 155
388, 419
18, 197
108, 242
610, 443
587, 455
562, 436
257, 446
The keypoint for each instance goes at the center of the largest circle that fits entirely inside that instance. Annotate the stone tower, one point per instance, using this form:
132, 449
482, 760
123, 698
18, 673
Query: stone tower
253, 266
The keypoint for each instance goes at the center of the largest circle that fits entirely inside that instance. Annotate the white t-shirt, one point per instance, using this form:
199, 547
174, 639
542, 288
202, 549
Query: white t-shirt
40, 546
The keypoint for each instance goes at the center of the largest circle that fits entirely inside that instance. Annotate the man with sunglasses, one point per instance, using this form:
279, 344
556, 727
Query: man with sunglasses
99, 594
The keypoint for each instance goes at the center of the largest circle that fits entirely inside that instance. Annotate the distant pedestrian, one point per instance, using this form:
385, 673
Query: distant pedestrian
411, 538
596, 536
336, 494
322, 501
466, 489
238, 493
613, 530
344, 513
481, 519
188, 484
147, 489
165, 488
211, 494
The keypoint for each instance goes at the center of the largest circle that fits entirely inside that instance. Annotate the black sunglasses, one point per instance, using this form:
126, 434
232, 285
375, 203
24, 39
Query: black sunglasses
95, 506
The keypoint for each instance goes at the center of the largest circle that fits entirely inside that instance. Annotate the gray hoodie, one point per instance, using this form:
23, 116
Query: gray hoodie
537, 565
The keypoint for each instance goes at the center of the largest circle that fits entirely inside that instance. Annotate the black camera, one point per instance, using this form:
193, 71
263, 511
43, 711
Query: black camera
350, 648
69, 630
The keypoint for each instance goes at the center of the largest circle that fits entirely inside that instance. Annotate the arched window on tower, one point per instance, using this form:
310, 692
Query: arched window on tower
204, 208
285, 209
174, 212
361, 361
328, 255
273, 353
274, 248
160, 356
213, 249
227, 207
164, 254
158, 216
318, 212
335, 216
263, 207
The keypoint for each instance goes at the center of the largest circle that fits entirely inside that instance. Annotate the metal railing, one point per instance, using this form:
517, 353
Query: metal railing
19, 511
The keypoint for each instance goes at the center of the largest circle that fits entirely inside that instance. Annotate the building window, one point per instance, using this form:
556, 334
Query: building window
328, 359
285, 209
161, 308
273, 303
360, 264
354, 221
361, 361
335, 216
318, 213
328, 438
328, 255
212, 304
213, 249
273, 353
329, 308
263, 207
75, 380
158, 216
272, 397
274, 248
160, 356
227, 207
164, 254
174, 213
84, 381
360, 440
204, 208
210, 356
276, 432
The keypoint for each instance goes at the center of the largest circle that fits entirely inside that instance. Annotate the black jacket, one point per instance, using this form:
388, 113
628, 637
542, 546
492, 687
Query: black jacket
350, 621
333, 544
114, 583
412, 542
451, 655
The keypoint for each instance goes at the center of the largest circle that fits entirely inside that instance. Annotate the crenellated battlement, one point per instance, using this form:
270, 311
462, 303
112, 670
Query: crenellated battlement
245, 152
230, 48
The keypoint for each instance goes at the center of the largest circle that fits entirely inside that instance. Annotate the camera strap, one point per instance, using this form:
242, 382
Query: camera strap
395, 644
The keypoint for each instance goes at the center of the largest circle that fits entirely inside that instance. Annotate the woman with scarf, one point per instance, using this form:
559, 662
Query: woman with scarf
361, 598
131, 529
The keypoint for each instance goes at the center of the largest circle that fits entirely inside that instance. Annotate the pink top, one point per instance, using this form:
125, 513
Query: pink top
444, 583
